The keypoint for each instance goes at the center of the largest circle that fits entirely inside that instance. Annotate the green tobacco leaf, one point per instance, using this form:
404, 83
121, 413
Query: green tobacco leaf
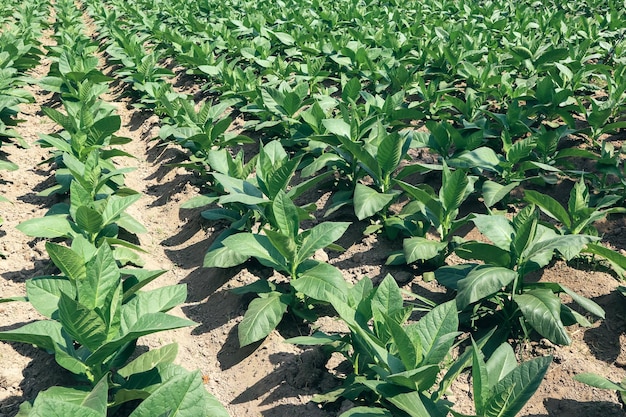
286, 215
494, 192
598, 382
44, 293
47, 227
337, 127
514, 390
115, 206
59, 408
482, 282
542, 310
319, 281
389, 152
262, 316
88, 219
453, 189
351, 90
150, 359
497, 229
367, 201
421, 249
549, 206
485, 252
617, 260
404, 345
44, 334
366, 412
258, 246
387, 298
223, 257
181, 396
145, 325
319, 237
500, 364
480, 380
102, 276
161, 299
82, 323
70, 262
440, 321
449, 276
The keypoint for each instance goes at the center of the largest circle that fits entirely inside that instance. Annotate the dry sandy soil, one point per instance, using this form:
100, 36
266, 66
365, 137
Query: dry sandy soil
272, 378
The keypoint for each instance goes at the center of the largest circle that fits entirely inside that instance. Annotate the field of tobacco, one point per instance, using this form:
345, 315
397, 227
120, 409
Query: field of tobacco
326, 208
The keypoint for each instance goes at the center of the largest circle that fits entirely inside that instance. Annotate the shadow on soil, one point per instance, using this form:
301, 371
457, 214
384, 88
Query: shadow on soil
558, 407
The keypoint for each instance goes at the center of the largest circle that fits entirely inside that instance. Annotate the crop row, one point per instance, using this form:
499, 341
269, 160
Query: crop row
95, 309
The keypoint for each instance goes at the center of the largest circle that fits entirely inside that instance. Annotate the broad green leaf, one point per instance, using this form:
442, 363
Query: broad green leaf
500, 364
542, 310
101, 277
145, 325
440, 321
568, 245
366, 412
389, 152
351, 90
44, 293
59, 408
480, 380
598, 382
88, 219
497, 229
47, 227
286, 215
517, 388
422, 249
223, 257
181, 396
617, 260
485, 252
258, 246
262, 316
418, 379
368, 202
453, 188
481, 283
82, 323
319, 281
150, 359
549, 206
45, 334
319, 237
449, 276
387, 298
70, 262
337, 127
161, 299
115, 206
403, 344
494, 192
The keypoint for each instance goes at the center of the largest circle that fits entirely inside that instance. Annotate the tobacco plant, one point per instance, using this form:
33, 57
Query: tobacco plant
288, 250
500, 287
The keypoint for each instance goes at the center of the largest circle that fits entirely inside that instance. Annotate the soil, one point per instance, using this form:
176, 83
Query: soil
271, 378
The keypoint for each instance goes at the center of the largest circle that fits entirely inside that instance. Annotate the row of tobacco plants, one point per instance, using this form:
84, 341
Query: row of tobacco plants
96, 307
405, 113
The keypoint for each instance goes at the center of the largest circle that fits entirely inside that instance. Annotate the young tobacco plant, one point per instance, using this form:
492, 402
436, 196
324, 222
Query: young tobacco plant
500, 386
94, 315
396, 365
175, 392
579, 217
288, 250
439, 210
248, 200
499, 287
